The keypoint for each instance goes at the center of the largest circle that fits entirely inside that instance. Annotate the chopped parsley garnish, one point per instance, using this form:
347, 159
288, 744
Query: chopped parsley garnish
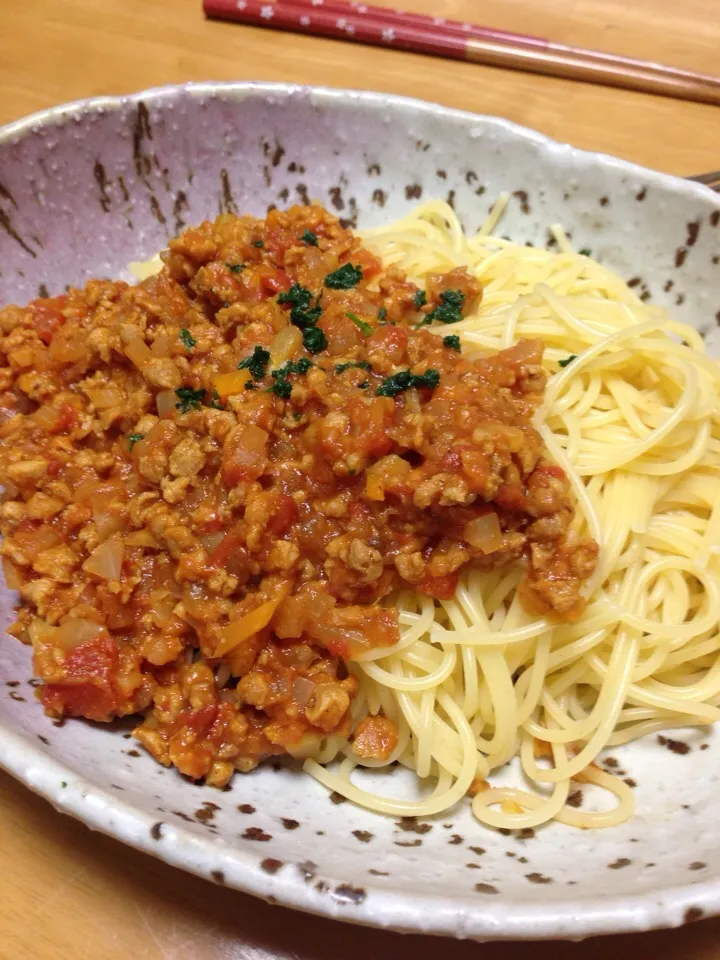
259, 244
256, 363
281, 388
187, 338
133, 438
297, 416
449, 310
404, 380
293, 366
189, 399
235, 267
382, 313
215, 401
314, 340
364, 385
360, 364
301, 313
452, 342
567, 360
420, 299
585, 252
250, 385
344, 277
364, 328
309, 238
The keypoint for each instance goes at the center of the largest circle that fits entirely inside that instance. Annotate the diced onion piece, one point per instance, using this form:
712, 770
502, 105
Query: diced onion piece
74, 632
106, 560
286, 343
412, 400
303, 689
33, 542
46, 418
64, 350
166, 401
212, 540
107, 521
11, 573
244, 453
240, 630
105, 397
138, 351
227, 384
484, 533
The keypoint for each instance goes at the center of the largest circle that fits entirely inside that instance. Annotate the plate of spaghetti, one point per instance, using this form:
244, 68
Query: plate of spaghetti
361, 521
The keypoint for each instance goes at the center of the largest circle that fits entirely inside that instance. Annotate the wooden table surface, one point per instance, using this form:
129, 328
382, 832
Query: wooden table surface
67, 894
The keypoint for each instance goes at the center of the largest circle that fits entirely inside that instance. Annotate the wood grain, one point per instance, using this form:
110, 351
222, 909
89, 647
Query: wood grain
67, 894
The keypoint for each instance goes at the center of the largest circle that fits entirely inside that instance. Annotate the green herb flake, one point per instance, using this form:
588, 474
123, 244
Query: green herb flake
250, 385
259, 244
360, 364
382, 313
215, 401
235, 267
63, 784
344, 278
189, 399
309, 238
256, 363
404, 380
300, 366
297, 416
302, 314
314, 340
449, 310
133, 438
420, 299
364, 385
281, 388
187, 338
452, 342
567, 360
585, 252
429, 379
364, 328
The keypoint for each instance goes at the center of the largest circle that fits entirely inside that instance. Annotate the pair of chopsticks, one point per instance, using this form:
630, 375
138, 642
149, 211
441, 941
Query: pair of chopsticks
380, 27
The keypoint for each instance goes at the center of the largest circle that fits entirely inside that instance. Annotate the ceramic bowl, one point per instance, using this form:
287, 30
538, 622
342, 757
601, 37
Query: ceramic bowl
88, 187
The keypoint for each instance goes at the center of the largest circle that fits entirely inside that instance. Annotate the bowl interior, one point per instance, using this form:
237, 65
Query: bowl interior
88, 188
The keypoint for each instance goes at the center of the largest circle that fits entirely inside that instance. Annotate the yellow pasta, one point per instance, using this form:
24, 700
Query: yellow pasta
634, 419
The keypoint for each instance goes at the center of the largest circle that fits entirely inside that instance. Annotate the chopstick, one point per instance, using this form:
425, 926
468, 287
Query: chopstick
418, 33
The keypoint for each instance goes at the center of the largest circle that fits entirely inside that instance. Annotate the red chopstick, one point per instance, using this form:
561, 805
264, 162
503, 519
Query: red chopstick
379, 26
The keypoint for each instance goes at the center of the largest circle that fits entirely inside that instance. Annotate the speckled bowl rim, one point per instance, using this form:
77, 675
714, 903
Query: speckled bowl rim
502, 918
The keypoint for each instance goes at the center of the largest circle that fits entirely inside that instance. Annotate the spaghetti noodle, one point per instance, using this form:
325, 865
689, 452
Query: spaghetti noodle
632, 415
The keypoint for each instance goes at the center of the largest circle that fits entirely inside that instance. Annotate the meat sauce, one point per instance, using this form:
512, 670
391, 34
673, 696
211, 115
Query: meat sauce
214, 478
